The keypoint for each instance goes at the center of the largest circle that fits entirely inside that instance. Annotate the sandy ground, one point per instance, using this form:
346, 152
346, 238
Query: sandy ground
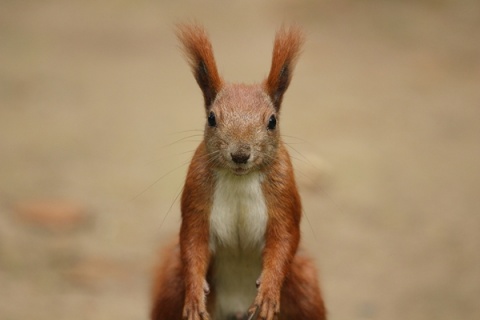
382, 118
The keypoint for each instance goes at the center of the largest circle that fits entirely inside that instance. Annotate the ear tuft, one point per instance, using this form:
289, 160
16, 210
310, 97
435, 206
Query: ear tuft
286, 49
198, 49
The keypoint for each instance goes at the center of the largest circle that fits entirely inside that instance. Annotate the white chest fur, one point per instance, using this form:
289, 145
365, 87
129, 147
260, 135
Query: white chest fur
237, 231
239, 213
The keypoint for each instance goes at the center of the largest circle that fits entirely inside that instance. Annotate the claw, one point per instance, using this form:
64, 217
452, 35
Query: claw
253, 314
206, 287
204, 316
258, 282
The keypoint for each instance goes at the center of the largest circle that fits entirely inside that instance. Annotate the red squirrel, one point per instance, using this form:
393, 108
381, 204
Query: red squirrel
237, 255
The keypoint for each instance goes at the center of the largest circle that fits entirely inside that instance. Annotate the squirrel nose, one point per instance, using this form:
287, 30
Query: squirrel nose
240, 157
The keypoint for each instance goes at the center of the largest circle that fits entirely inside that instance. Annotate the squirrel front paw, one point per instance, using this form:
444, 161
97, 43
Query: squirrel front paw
195, 309
265, 307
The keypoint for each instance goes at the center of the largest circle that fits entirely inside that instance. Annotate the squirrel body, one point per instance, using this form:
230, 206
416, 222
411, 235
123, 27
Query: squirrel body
238, 221
237, 256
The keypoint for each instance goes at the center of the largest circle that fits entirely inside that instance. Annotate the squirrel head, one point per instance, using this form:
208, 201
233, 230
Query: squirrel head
242, 125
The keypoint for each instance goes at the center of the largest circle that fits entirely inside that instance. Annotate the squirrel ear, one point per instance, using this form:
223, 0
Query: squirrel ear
198, 50
286, 49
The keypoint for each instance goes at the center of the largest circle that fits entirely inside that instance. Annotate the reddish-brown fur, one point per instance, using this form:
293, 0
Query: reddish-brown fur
199, 52
286, 50
288, 288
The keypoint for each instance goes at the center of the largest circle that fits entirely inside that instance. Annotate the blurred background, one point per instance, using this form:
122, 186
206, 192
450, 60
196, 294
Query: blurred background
97, 108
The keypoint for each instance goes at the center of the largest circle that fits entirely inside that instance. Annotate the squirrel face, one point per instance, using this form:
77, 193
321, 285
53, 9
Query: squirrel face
241, 133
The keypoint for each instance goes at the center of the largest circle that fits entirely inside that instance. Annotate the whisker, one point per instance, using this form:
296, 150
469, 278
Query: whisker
183, 139
330, 198
310, 225
309, 178
303, 174
185, 131
293, 137
213, 159
299, 153
296, 158
206, 155
171, 156
297, 171
160, 178
179, 191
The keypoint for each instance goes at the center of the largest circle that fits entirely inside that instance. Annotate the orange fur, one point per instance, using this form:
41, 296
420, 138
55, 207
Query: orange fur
288, 288
169, 287
286, 50
194, 232
199, 52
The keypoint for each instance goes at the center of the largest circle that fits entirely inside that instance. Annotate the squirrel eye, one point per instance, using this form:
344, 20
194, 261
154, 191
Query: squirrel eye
212, 122
272, 122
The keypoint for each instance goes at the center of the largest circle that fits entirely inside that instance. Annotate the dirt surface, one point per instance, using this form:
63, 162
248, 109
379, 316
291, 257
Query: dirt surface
382, 118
